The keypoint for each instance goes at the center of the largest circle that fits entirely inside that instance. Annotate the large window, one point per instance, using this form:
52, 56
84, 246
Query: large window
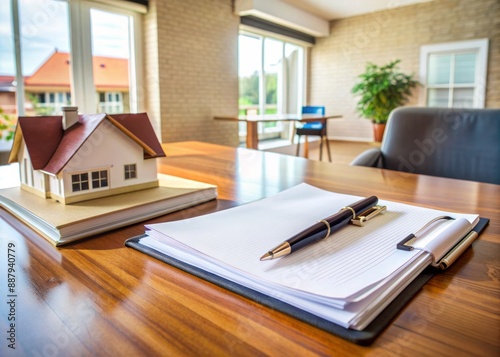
111, 54
70, 51
271, 73
454, 74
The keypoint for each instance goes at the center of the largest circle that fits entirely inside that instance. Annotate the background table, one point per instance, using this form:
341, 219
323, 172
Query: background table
252, 120
97, 297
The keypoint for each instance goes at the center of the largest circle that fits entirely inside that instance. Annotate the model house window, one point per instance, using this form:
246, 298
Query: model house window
80, 182
454, 74
130, 171
99, 179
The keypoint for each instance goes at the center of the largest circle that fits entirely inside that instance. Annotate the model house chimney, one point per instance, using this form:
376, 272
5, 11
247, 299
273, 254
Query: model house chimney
69, 117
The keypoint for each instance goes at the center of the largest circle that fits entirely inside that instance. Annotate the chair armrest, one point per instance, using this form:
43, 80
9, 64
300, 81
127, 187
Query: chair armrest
370, 158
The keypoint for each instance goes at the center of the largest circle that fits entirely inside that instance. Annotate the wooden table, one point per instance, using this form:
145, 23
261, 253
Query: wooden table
97, 297
252, 120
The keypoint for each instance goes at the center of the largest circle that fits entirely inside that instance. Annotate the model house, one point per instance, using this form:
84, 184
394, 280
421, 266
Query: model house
73, 158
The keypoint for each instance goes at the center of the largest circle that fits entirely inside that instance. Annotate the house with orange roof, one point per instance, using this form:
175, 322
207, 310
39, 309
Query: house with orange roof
7, 94
73, 158
49, 87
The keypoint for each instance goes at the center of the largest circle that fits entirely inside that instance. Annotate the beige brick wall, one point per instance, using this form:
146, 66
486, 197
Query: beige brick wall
383, 36
150, 89
192, 72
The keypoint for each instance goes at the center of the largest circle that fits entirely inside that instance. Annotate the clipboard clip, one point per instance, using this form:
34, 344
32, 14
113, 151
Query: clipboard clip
368, 214
406, 243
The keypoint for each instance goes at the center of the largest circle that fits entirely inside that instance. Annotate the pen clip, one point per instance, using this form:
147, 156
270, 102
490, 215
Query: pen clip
366, 215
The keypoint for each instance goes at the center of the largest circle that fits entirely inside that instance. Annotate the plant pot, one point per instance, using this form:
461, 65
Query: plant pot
378, 131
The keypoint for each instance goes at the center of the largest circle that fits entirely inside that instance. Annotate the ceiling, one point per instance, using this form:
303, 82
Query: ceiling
336, 9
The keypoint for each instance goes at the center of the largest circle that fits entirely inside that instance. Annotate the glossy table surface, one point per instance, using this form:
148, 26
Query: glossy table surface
97, 297
277, 117
252, 140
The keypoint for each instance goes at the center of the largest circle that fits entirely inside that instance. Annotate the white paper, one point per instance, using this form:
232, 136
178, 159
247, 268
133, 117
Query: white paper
342, 271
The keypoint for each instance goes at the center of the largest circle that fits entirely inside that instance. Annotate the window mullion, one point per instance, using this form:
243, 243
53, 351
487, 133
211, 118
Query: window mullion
17, 57
82, 84
282, 98
262, 81
262, 86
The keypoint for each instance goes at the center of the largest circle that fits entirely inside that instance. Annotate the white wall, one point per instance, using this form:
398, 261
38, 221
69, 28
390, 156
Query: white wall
108, 148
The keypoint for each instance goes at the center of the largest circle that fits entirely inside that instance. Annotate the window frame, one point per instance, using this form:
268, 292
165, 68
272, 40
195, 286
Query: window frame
82, 84
102, 180
83, 88
78, 179
262, 36
480, 46
56, 104
130, 170
107, 106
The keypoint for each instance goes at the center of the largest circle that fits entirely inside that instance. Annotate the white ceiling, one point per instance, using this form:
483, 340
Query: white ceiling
336, 9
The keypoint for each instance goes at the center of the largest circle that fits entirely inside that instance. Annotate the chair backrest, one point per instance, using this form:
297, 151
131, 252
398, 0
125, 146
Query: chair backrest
456, 143
313, 110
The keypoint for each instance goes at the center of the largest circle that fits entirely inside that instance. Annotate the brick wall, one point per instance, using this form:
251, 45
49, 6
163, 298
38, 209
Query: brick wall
150, 90
383, 36
192, 73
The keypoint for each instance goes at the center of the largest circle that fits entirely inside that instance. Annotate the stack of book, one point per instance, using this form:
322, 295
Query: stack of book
61, 224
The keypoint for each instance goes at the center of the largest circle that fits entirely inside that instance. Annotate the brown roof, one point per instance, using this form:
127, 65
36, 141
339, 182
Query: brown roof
42, 136
55, 71
50, 147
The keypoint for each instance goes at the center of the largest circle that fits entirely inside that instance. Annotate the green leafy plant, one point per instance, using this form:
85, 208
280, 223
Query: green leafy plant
7, 125
382, 89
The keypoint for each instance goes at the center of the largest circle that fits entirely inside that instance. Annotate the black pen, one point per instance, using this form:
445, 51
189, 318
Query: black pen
321, 229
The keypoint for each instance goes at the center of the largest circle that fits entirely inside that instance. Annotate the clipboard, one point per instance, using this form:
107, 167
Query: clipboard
364, 337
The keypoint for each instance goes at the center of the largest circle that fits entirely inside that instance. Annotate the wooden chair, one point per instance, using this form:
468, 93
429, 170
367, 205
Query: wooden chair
313, 129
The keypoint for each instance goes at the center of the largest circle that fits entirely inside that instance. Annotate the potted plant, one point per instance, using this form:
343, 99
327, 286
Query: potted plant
382, 89
7, 129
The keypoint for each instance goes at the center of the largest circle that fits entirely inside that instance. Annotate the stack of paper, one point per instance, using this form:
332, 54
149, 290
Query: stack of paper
60, 223
347, 278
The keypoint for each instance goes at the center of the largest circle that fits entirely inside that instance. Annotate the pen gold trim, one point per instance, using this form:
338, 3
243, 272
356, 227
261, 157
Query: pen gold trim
456, 251
371, 212
333, 223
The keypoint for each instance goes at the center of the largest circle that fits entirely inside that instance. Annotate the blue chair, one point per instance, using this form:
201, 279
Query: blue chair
314, 129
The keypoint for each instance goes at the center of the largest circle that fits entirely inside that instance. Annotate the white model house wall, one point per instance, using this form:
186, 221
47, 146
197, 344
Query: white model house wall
109, 149
31, 179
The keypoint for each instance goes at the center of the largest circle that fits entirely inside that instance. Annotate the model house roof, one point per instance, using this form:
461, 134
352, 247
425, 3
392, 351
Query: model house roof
50, 147
108, 72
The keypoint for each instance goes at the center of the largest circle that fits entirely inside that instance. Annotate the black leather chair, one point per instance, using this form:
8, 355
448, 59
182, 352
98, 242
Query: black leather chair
313, 129
456, 143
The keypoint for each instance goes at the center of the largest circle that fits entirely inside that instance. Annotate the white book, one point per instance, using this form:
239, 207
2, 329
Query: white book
61, 224
347, 278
